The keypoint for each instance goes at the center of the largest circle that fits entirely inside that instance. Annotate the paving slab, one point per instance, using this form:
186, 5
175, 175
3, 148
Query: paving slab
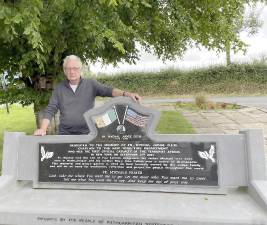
211, 130
240, 116
229, 126
262, 119
201, 124
212, 114
220, 120
230, 122
253, 126
225, 131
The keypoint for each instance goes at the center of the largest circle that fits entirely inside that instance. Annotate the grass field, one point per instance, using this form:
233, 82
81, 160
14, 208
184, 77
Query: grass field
21, 119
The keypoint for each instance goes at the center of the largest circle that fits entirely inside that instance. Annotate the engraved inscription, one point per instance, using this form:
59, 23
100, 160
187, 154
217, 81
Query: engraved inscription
128, 163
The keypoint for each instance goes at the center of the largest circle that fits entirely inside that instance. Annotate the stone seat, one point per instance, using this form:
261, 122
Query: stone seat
19, 200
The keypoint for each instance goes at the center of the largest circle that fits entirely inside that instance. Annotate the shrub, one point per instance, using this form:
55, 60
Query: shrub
201, 101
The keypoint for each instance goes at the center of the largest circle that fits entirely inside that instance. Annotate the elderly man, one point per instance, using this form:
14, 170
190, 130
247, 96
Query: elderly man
73, 97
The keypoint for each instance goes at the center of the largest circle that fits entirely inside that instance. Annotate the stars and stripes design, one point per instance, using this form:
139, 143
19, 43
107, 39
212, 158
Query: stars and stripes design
136, 118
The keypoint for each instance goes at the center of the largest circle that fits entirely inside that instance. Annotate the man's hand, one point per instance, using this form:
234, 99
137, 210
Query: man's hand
43, 129
39, 132
117, 92
134, 96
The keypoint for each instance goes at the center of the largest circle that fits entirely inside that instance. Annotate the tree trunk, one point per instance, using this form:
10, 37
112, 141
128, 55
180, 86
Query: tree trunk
44, 83
228, 53
7, 108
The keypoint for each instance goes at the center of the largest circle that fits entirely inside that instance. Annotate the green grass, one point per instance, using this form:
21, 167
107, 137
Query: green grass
19, 119
172, 122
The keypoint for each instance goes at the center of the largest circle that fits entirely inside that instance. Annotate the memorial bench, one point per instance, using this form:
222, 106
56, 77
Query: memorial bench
123, 173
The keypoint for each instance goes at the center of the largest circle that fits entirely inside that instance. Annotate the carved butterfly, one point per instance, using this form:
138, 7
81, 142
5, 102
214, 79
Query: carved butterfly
46, 155
208, 155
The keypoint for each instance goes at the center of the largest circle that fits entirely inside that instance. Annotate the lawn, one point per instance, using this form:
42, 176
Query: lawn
172, 122
22, 119
19, 119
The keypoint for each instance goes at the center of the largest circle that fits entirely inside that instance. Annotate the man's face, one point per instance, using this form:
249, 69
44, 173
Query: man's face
72, 71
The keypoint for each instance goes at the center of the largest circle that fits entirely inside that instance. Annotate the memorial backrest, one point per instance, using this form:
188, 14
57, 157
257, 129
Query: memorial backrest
123, 152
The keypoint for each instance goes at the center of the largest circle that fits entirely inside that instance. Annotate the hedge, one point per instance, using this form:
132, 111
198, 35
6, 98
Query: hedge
234, 79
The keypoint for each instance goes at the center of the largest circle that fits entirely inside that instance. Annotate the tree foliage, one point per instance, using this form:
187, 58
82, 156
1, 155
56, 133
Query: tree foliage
250, 23
37, 34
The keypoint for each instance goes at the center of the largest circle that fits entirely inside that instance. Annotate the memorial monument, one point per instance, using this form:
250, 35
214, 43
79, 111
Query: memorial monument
122, 172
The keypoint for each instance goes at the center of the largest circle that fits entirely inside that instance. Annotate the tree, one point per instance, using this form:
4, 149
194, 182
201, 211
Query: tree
3, 86
250, 23
37, 34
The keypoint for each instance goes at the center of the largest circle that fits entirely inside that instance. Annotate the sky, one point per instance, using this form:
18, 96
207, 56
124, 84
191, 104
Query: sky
194, 57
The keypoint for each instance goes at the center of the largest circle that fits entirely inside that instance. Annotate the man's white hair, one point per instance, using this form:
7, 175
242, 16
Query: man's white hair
71, 57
